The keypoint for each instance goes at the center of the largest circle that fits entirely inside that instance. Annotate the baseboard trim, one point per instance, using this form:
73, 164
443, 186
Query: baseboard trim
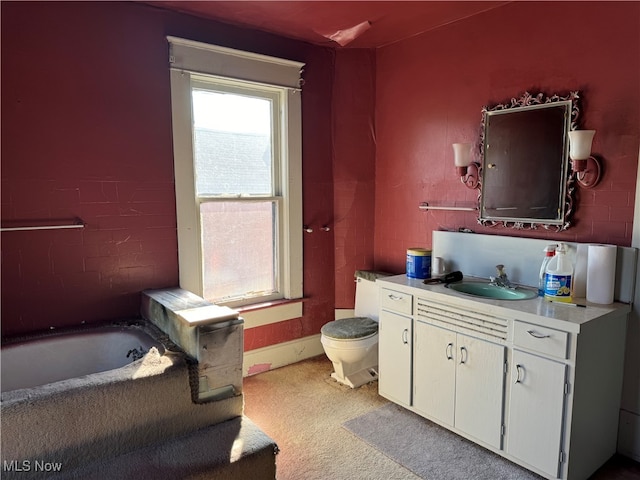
629, 435
275, 356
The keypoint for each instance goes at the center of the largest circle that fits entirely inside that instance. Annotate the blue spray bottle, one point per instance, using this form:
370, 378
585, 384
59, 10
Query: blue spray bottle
549, 252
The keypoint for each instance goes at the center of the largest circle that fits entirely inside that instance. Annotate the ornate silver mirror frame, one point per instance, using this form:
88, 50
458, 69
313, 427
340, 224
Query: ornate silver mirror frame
524, 151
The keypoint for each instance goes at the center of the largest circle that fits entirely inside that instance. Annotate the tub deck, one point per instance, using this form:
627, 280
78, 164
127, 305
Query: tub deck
174, 412
102, 416
231, 450
106, 414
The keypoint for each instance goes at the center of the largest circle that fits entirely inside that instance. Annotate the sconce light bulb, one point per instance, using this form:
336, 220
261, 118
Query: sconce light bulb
462, 154
580, 144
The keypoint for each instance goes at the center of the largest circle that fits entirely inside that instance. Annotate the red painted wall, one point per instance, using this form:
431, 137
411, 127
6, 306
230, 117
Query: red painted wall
86, 132
354, 168
431, 89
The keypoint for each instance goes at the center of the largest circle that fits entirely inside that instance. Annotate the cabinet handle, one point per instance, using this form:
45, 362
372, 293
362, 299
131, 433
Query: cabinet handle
395, 298
449, 351
405, 336
535, 334
518, 369
463, 355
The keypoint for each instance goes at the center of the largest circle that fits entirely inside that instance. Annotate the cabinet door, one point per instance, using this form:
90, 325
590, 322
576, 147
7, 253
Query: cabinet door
394, 357
535, 411
480, 389
434, 369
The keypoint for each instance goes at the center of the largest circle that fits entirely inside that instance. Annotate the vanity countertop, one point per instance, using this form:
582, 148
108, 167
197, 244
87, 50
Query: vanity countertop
536, 310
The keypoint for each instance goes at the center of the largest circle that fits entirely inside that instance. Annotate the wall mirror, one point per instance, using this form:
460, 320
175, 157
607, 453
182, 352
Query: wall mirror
526, 181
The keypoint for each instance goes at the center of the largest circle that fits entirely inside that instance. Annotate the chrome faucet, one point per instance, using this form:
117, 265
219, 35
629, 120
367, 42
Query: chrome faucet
501, 280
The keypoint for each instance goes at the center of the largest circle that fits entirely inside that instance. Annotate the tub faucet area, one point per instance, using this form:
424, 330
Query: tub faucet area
501, 280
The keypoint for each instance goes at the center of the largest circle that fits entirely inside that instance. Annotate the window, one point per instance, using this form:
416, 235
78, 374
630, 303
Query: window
238, 174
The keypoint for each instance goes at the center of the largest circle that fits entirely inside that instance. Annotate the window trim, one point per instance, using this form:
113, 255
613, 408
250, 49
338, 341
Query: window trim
206, 60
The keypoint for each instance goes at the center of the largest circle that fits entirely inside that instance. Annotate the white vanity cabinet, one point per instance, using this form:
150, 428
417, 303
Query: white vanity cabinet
435, 372
538, 389
535, 411
395, 346
459, 380
538, 383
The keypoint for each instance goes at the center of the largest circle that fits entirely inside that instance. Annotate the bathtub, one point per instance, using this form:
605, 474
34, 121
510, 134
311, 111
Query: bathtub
96, 393
52, 358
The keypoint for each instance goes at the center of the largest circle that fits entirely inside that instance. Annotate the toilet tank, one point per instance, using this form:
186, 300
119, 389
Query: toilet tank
367, 296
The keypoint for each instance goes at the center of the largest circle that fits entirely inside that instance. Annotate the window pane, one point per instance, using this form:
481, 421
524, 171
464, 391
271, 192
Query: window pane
238, 242
232, 141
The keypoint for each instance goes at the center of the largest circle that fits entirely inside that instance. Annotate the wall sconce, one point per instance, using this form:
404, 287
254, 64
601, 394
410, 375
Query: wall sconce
468, 171
586, 168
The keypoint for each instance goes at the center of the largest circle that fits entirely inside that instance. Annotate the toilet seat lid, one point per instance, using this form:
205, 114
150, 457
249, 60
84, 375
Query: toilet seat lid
350, 328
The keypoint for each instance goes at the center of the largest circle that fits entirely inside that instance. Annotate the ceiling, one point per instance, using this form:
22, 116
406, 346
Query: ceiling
353, 24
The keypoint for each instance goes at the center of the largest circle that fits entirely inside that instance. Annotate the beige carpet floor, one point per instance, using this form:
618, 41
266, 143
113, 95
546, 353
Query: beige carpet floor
430, 451
302, 408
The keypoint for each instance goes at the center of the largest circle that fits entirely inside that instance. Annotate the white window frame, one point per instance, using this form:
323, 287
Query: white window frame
191, 62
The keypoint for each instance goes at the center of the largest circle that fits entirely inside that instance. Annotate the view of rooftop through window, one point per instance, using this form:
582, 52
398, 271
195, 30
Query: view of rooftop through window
233, 144
233, 164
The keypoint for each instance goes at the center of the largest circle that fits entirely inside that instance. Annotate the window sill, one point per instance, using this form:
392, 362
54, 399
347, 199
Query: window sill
259, 314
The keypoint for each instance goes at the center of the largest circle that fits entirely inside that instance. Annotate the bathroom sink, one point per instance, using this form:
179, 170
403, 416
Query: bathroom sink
486, 290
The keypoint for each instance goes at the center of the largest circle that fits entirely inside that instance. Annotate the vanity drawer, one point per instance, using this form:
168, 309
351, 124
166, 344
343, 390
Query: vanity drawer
396, 301
541, 339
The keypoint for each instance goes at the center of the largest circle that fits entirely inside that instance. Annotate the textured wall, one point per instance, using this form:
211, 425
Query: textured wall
353, 168
86, 132
431, 89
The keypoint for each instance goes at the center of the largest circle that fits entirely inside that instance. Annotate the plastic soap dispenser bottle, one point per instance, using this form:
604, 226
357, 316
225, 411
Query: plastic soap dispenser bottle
549, 252
559, 277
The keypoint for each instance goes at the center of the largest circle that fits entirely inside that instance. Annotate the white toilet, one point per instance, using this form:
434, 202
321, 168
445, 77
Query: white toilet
352, 343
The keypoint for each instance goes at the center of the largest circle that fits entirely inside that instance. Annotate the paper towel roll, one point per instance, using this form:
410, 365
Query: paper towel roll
601, 273
580, 274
